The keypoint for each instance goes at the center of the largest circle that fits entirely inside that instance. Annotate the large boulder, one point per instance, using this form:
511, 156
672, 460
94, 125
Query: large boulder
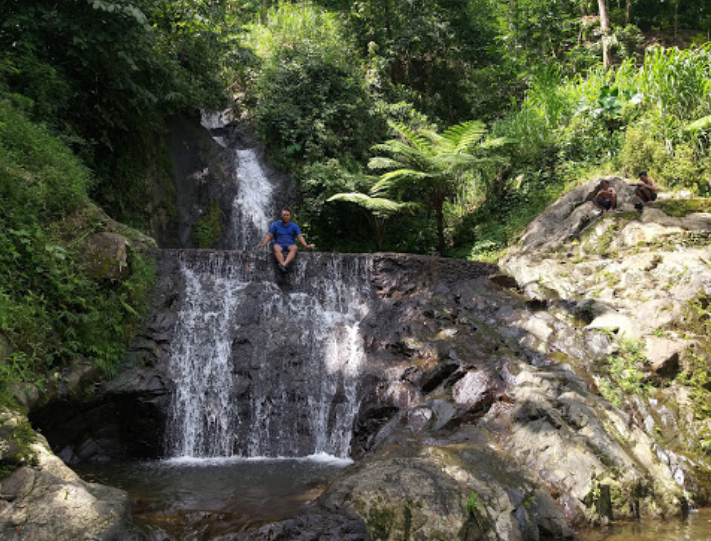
106, 256
43, 500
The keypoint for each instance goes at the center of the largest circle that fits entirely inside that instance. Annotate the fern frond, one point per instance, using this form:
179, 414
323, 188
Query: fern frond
465, 135
414, 139
380, 162
379, 206
498, 142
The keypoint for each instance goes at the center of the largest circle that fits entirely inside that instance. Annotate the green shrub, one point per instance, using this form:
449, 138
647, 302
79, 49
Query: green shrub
312, 104
208, 229
50, 312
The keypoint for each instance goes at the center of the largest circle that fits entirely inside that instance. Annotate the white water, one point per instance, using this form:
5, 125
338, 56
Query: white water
289, 394
253, 206
261, 370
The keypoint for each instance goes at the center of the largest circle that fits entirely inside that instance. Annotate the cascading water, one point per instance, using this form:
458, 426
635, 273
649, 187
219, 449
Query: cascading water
264, 368
261, 371
253, 205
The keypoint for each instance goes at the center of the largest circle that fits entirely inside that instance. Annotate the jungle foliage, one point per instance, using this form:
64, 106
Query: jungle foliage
87, 88
531, 70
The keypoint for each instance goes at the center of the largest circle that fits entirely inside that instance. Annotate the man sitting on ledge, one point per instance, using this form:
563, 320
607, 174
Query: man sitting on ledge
646, 189
284, 232
606, 198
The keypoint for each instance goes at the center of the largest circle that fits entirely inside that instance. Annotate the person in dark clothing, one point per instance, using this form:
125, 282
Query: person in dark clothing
284, 232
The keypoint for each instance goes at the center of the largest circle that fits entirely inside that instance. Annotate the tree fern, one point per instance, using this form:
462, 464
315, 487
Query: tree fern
425, 166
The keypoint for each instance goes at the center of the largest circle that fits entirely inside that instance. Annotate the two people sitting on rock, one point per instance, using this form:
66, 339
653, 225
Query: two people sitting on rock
606, 198
284, 232
646, 189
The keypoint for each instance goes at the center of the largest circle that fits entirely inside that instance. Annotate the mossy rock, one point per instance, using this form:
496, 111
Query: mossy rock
681, 207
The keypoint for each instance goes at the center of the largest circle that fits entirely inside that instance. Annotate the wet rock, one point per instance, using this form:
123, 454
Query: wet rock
434, 377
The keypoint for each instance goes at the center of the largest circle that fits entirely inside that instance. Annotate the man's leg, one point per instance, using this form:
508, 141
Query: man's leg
291, 255
278, 254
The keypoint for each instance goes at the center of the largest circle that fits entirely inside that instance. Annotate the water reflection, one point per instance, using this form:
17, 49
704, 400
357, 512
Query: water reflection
696, 527
199, 500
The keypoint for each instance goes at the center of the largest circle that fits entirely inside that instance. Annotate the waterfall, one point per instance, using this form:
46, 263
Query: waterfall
264, 365
253, 208
252, 203
266, 371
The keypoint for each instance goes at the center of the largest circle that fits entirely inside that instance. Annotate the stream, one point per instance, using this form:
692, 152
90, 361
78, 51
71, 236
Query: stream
695, 527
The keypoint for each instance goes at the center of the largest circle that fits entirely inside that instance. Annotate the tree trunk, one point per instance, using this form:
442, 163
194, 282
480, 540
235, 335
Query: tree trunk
439, 215
605, 29
628, 12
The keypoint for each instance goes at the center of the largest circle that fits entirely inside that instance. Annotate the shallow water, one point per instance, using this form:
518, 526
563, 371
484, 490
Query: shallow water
200, 499
695, 527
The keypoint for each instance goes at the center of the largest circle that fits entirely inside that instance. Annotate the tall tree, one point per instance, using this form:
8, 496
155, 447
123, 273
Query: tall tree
427, 167
605, 31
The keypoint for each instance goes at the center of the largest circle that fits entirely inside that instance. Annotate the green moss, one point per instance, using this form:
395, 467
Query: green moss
379, 520
682, 207
17, 437
208, 229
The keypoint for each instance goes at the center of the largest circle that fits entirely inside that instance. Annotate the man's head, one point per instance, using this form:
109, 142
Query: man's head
285, 216
643, 175
604, 184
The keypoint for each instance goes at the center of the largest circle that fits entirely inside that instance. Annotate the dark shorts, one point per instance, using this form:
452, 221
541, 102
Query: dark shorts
284, 247
604, 203
646, 193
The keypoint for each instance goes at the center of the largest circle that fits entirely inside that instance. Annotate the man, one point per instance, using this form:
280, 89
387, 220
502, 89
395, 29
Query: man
284, 232
646, 189
606, 198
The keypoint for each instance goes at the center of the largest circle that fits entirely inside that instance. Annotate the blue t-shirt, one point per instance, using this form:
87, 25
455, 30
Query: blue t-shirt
284, 235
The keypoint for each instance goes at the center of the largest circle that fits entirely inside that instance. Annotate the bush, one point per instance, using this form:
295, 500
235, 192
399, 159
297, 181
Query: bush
312, 102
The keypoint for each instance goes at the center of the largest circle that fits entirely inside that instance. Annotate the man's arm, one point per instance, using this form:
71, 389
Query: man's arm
267, 238
306, 245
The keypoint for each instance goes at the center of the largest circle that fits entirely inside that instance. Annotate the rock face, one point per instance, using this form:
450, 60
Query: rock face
473, 423
638, 276
107, 256
486, 407
78, 510
205, 162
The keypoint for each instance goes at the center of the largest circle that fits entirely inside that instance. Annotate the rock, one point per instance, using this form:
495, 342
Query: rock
616, 323
477, 390
664, 356
48, 502
107, 256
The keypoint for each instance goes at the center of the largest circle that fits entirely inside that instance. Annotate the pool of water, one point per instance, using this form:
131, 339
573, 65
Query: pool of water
695, 527
201, 499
